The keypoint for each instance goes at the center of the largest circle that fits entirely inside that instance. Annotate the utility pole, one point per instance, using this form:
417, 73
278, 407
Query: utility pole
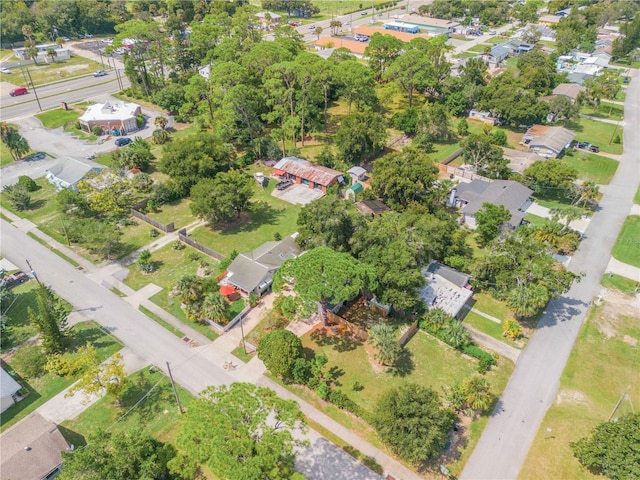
175, 390
244, 346
34, 89
33, 272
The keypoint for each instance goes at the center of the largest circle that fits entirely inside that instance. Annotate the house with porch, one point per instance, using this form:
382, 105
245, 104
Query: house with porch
252, 272
306, 173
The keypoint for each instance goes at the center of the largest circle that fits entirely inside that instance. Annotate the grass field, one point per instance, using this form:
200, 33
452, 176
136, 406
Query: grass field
177, 212
606, 110
57, 117
627, 247
19, 327
269, 215
597, 133
490, 328
52, 72
534, 220
156, 414
480, 48
592, 167
172, 306
619, 283
43, 388
636, 199
600, 368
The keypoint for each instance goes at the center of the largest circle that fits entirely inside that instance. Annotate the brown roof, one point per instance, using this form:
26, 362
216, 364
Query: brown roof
372, 207
570, 90
537, 130
31, 449
306, 170
337, 42
404, 36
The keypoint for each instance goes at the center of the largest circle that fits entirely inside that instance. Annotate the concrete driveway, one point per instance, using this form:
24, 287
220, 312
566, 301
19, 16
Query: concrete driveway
60, 144
298, 194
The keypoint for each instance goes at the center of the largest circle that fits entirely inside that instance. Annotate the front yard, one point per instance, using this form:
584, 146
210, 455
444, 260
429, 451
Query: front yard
592, 167
597, 133
626, 247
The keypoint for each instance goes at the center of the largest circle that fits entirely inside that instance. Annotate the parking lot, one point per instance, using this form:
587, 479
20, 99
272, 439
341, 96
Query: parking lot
298, 194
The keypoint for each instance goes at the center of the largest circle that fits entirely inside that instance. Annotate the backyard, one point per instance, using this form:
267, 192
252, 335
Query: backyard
602, 365
626, 247
19, 328
269, 216
46, 386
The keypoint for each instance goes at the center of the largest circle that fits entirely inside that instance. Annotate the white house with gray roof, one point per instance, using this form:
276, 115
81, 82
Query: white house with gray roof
470, 197
69, 172
445, 288
253, 271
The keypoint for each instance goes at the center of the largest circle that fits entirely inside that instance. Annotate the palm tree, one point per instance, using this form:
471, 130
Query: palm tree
190, 289
569, 213
51, 52
335, 25
436, 318
318, 31
32, 53
456, 334
384, 339
527, 299
214, 306
27, 31
161, 122
586, 194
477, 394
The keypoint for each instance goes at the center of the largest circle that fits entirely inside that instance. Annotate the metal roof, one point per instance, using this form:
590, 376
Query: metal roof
306, 170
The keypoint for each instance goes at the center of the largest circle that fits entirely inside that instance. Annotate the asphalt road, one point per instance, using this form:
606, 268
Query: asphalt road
52, 95
534, 384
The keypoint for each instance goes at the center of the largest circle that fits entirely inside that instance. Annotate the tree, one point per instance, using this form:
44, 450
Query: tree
411, 421
18, 196
411, 71
567, 213
328, 222
360, 137
545, 175
531, 35
241, 432
356, 85
159, 136
15, 142
479, 151
474, 393
612, 448
135, 155
456, 334
433, 124
279, 351
382, 50
118, 456
405, 177
144, 262
564, 108
511, 328
49, 318
586, 194
385, 339
335, 25
463, 127
214, 307
490, 220
97, 377
107, 195
222, 199
322, 274
52, 53
189, 289
27, 183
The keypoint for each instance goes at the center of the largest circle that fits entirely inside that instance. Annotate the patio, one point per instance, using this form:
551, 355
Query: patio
298, 194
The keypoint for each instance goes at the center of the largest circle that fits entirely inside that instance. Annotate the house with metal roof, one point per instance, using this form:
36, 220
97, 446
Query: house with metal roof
497, 54
253, 271
548, 142
70, 171
470, 197
304, 172
31, 449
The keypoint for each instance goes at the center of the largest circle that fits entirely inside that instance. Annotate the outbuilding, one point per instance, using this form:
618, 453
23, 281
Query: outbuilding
303, 172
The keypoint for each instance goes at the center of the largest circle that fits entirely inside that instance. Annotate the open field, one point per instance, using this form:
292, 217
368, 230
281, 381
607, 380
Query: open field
597, 133
57, 117
628, 243
592, 167
269, 215
52, 72
603, 363
43, 388
177, 212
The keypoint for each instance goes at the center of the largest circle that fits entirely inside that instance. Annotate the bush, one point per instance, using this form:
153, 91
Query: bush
153, 233
343, 402
159, 136
29, 361
617, 138
140, 120
18, 196
194, 256
27, 183
277, 236
323, 390
485, 359
301, 372
178, 245
511, 328
96, 130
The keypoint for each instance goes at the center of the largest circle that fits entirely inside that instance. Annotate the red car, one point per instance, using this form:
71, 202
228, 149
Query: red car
18, 91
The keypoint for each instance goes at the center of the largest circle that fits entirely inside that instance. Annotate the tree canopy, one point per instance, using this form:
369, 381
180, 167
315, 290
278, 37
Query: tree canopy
222, 199
279, 351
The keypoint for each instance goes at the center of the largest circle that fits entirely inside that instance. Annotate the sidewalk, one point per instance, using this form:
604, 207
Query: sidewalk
623, 269
391, 466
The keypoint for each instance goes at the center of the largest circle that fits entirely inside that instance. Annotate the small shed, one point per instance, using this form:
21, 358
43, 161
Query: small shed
353, 190
357, 173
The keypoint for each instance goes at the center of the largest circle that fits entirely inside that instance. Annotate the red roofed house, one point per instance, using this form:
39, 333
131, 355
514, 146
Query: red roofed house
307, 173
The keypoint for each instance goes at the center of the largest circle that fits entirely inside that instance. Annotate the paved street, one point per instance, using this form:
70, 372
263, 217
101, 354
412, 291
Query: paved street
533, 386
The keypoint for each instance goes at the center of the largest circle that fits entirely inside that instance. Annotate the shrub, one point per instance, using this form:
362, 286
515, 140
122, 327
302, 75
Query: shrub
96, 130
77, 126
301, 372
253, 299
153, 233
323, 390
279, 351
511, 328
617, 138
277, 237
159, 136
18, 196
178, 245
485, 359
29, 361
27, 183
140, 120
194, 256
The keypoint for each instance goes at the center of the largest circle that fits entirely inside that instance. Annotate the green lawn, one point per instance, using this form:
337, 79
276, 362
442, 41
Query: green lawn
592, 167
156, 414
534, 220
57, 117
53, 72
269, 215
490, 328
598, 371
177, 212
597, 133
43, 388
479, 48
489, 305
5, 155
620, 283
606, 110
157, 319
19, 327
627, 247
636, 199
172, 306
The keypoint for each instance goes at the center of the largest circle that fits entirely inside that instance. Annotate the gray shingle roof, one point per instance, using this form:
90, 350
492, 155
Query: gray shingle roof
72, 170
553, 138
511, 195
454, 276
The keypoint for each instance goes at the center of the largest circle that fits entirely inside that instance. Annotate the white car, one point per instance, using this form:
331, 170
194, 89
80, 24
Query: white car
5, 70
100, 73
312, 27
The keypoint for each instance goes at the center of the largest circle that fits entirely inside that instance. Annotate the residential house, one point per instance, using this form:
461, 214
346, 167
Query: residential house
69, 172
113, 117
470, 197
549, 142
601, 60
268, 20
569, 90
485, 117
9, 389
550, 19
498, 54
446, 288
205, 72
578, 77
304, 172
516, 47
31, 449
547, 33
253, 271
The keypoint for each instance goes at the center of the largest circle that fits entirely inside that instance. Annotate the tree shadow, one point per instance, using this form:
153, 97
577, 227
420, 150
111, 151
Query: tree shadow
94, 335
334, 374
36, 204
337, 342
405, 364
150, 399
561, 310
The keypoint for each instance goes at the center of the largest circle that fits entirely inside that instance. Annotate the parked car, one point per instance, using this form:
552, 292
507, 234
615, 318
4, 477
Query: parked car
121, 142
294, 24
66, 39
492, 32
35, 156
5, 70
18, 91
364, 13
582, 144
594, 148
283, 184
100, 73
107, 40
312, 27
13, 280
88, 35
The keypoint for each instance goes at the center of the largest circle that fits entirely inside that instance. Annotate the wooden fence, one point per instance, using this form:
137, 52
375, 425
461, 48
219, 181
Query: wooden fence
184, 238
169, 227
408, 333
